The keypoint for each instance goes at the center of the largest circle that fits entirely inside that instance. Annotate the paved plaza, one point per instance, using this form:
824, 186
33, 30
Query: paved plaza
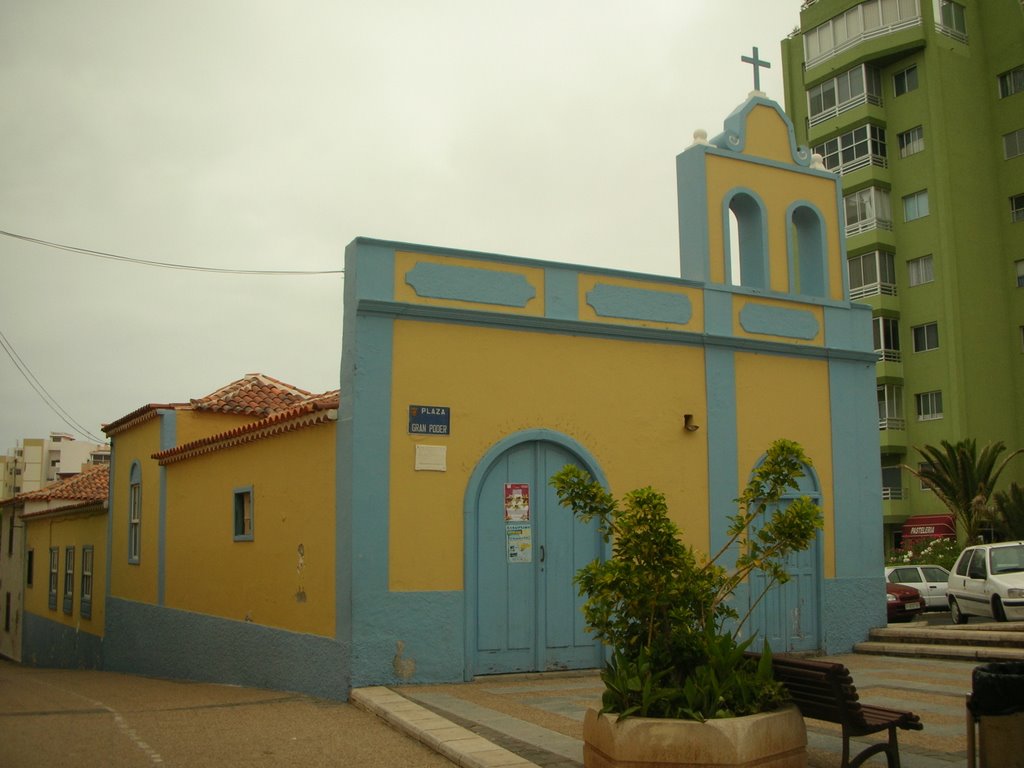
86, 718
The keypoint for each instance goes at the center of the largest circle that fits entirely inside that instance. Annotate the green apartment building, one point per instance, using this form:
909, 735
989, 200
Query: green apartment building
919, 106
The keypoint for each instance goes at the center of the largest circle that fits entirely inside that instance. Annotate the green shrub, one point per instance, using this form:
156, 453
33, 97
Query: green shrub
663, 610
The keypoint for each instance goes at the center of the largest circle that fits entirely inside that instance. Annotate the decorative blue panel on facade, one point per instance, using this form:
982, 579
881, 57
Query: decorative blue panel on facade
640, 304
480, 286
776, 321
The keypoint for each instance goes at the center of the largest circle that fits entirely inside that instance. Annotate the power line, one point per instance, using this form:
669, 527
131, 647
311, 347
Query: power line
44, 395
170, 265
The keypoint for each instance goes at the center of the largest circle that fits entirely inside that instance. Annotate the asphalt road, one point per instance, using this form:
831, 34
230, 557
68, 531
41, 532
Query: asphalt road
80, 719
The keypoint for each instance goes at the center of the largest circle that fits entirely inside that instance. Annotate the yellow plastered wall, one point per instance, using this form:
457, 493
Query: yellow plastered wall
72, 530
129, 580
600, 392
193, 425
266, 580
766, 387
777, 188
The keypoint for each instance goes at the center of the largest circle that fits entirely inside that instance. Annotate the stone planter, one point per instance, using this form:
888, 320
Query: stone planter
769, 740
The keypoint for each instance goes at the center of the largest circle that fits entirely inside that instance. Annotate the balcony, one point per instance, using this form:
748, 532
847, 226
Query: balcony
839, 109
873, 289
891, 423
893, 494
854, 41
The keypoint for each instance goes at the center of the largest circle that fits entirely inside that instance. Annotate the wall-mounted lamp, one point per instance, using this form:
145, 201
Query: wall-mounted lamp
688, 423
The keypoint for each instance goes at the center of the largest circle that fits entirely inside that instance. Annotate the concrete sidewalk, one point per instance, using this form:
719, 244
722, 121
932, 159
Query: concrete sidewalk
537, 719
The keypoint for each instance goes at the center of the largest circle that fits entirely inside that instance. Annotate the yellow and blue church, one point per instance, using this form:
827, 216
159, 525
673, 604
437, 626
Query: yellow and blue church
406, 531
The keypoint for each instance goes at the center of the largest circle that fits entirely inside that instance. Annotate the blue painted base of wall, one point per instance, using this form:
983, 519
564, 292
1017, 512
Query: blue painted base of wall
850, 609
47, 643
430, 627
162, 642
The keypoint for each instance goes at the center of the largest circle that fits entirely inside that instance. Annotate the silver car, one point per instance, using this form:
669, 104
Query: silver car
929, 580
988, 580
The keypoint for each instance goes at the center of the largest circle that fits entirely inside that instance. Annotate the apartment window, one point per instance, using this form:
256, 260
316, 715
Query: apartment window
1022, 339
892, 483
923, 467
1017, 208
243, 514
85, 604
929, 405
905, 81
872, 274
69, 578
1020, 273
867, 209
7, 613
911, 142
890, 407
855, 149
54, 563
1013, 143
135, 513
887, 338
926, 337
915, 206
30, 559
952, 20
1011, 82
920, 270
860, 85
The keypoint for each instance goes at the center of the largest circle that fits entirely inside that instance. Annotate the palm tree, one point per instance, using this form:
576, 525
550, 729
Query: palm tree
963, 480
1010, 506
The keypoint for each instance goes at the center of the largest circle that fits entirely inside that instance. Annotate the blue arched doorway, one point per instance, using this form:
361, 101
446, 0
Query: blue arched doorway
522, 607
789, 615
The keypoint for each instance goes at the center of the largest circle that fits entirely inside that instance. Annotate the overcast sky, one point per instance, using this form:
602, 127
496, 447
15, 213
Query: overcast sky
268, 135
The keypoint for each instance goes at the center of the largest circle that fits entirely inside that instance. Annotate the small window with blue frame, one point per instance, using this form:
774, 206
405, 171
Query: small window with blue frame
243, 514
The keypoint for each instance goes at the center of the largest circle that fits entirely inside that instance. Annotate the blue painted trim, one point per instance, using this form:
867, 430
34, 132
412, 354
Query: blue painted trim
718, 313
561, 294
734, 137
779, 321
857, 478
168, 439
110, 516
236, 494
384, 250
822, 259
722, 430
849, 328
639, 304
469, 508
479, 286
597, 330
692, 202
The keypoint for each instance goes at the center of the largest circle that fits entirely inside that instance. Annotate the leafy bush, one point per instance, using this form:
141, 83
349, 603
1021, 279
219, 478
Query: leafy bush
664, 612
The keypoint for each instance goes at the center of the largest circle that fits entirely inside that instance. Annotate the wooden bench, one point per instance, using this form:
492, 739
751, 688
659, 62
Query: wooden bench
824, 690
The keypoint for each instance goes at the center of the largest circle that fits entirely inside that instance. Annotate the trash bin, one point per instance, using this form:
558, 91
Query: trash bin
996, 710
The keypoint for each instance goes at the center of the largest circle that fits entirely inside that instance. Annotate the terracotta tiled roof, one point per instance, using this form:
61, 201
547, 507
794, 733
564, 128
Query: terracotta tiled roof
253, 395
89, 486
318, 409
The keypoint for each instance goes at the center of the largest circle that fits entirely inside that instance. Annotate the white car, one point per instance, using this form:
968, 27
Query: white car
988, 580
929, 580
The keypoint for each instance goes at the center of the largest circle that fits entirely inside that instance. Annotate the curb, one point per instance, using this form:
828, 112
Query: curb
461, 746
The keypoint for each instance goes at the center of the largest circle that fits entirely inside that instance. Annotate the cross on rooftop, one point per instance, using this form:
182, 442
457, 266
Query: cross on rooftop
757, 64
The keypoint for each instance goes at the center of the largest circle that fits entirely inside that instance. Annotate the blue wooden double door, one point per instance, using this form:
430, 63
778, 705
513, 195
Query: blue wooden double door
789, 615
526, 607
